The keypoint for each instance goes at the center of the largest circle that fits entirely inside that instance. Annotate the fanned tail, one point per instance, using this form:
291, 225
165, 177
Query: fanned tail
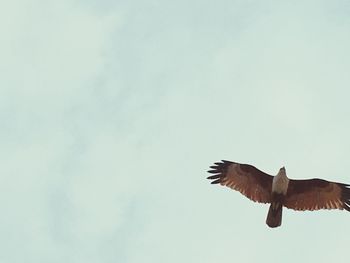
274, 217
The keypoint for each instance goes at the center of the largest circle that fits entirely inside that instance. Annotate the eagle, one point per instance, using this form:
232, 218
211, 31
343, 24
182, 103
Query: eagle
279, 191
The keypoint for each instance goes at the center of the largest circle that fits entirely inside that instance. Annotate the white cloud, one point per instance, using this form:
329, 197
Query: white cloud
257, 98
52, 53
111, 114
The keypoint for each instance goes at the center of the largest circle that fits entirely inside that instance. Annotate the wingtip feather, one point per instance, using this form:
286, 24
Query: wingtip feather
215, 176
346, 207
216, 181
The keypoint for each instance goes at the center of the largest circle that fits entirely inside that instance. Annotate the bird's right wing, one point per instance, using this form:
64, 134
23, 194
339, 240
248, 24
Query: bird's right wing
245, 178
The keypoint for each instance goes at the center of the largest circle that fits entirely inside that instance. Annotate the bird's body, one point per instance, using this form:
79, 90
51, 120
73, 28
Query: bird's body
279, 190
280, 182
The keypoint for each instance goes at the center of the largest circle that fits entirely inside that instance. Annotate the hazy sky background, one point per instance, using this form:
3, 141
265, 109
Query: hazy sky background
112, 111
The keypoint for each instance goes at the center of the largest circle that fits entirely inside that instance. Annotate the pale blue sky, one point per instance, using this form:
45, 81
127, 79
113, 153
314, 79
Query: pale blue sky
111, 113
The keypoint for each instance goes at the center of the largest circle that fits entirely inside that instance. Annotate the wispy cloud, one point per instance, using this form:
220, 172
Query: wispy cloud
112, 112
51, 56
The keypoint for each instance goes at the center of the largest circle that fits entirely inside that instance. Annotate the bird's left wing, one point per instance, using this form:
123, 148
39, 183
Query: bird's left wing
245, 178
315, 194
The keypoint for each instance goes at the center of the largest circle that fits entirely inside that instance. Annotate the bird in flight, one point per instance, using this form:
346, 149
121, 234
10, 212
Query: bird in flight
279, 191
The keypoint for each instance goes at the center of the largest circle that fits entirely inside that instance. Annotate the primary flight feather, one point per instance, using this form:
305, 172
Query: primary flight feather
279, 190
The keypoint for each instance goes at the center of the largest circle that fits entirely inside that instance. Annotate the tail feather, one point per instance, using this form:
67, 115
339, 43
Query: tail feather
274, 217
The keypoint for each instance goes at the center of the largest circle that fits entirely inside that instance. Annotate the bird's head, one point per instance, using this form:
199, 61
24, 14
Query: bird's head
282, 171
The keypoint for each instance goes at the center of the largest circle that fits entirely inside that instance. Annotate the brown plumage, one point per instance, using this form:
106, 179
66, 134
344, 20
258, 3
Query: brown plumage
279, 191
316, 194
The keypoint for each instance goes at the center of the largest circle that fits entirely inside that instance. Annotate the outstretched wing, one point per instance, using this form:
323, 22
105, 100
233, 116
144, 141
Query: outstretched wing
315, 194
245, 178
